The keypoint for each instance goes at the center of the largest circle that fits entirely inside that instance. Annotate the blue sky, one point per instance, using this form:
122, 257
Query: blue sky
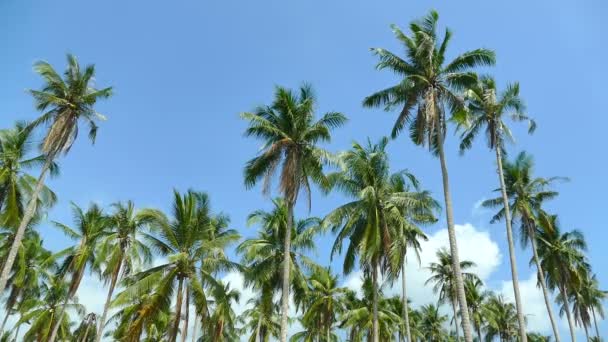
184, 70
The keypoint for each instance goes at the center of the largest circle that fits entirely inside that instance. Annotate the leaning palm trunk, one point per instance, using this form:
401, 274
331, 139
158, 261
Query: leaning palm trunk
106, 306
597, 330
518, 305
568, 314
375, 325
29, 213
187, 314
8, 313
86, 333
464, 312
286, 264
59, 319
456, 319
178, 311
406, 316
541, 280
258, 331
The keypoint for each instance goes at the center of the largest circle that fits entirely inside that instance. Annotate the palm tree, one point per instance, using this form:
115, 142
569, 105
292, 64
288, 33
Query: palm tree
86, 331
262, 317
90, 226
593, 297
34, 264
430, 84
123, 251
47, 311
16, 185
444, 281
188, 240
580, 311
381, 212
486, 107
291, 138
536, 337
501, 319
431, 323
476, 296
324, 304
64, 103
526, 195
223, 320
562, 257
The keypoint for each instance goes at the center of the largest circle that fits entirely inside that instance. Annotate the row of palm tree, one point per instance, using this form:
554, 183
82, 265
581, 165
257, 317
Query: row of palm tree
168, 267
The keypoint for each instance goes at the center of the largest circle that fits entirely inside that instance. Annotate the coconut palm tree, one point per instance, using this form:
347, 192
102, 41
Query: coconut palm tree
526, 196
90, 227
291, 137
486, 109
64, 102
431, 323
536, 337
123, 250
262, 318
324, 304
562, 257
87, 329
429, 85
593, 296
34, 265
501, 319
48, 311
379, 213
443, 280
190, 241
581, 314
476, 296
16, 184
222, 322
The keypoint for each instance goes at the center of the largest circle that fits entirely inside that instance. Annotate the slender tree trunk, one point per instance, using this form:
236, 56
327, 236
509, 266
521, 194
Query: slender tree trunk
17, 333
59, 319
194, 328
187, 313
178, 310
27, 217
8, 313
106, 306
86, 333
406, 315
518, 305
597, 330
568, 314
375, 325
479, 333
462, 300
456, 319
543, 283
258, 332
286, 264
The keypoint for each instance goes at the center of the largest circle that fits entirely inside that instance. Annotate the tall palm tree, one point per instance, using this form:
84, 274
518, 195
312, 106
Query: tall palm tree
593, 296
562, 257
64, 102
501, 319
87, 329
262, 317
16, 185
431, 323
443, 280
123, 250
324, 304
487, 108
430, 84
476, 296
291, 137
223, 319
527, 195
377, 216
185, 239
90, 227
46, 312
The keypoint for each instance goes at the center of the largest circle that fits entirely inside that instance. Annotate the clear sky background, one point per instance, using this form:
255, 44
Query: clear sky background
184, 70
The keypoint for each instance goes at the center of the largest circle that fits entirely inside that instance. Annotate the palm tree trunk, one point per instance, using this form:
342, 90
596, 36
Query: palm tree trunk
514, 276
597, 330
286, 264
543, 283
178, 310
8, 313
59, 319
27, 217
406, 315
187, 313
194, 328
479, 332
17, 332
462, 300
375, 325
106, 306
568, 314
456, 319
258, 331
86, 333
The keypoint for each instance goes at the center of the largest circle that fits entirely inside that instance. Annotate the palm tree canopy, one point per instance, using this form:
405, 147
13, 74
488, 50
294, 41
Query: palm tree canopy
442, 275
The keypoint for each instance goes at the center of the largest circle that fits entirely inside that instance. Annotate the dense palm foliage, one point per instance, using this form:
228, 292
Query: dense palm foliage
186, 273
